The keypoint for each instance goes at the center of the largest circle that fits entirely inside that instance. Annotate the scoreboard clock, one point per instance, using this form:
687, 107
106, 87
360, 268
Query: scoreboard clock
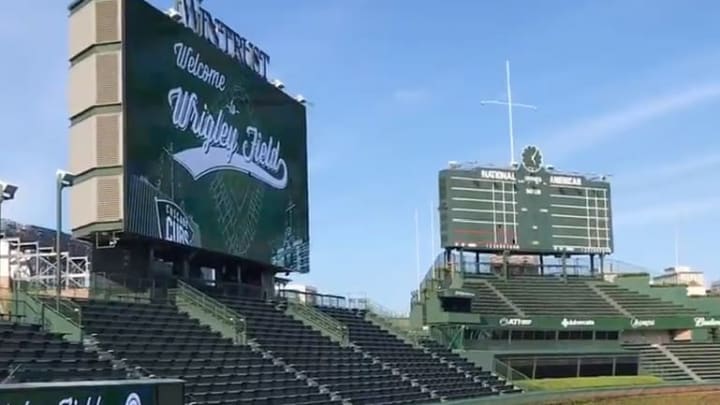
528, 208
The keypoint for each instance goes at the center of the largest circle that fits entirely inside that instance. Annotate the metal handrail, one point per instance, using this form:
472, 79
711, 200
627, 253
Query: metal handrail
215, 308
321, 320
509, 373
413, 336
8, 379
13, 305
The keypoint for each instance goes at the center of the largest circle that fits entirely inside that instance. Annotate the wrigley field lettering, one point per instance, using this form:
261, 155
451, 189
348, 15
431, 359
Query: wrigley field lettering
222, 147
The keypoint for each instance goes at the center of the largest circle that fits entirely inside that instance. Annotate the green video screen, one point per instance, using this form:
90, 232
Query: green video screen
215, 156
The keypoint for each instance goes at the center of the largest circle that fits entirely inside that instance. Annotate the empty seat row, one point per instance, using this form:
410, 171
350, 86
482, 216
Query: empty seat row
168, 343
343, 370
30, 354
440, 375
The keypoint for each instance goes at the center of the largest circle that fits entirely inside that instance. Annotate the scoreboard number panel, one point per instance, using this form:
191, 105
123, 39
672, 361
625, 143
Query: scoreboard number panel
524, 209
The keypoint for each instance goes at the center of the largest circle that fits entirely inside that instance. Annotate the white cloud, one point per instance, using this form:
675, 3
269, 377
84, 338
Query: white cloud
667, 212
598, 129
410, 96
674, 169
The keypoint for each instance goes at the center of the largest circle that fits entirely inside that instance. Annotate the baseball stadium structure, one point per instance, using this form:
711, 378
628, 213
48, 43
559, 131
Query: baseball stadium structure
189, 215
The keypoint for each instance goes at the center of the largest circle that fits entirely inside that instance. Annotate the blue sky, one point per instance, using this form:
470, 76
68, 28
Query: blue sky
627, 87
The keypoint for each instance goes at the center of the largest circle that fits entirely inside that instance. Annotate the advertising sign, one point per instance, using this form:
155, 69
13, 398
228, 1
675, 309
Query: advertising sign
215, 156
90, 395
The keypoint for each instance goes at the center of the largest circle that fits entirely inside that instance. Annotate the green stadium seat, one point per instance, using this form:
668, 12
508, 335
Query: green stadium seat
539, 296
343, 370
170, 344
29, 354
424, 366
641, 305
702, 358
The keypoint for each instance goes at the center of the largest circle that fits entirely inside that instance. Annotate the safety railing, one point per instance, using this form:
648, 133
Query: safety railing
320, 321
128, 288
506, 371
312, 298
659, 370
210, 311
413, 337
18, 311
56, 314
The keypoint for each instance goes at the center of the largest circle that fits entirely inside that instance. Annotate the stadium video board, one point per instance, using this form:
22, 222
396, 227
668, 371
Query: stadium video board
215, 156
525, 209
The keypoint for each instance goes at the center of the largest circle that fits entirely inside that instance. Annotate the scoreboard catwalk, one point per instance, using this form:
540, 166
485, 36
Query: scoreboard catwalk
528, 208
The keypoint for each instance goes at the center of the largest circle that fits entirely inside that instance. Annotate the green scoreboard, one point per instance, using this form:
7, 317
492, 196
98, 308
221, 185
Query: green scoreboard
527, 208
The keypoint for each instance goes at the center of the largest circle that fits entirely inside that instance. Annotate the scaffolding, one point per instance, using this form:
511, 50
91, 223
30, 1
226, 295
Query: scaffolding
37, 265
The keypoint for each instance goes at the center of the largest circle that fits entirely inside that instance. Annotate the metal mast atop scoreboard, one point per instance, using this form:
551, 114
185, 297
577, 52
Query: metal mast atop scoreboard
509, 103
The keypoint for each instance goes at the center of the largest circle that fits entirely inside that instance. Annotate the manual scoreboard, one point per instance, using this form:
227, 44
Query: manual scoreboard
528, 208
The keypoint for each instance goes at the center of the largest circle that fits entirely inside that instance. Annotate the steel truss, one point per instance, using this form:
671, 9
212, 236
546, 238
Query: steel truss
30, 262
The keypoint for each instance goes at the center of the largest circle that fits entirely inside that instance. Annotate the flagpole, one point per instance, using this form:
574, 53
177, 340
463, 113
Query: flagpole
417, 246
510, 105
432, 233
510, 108
677, 247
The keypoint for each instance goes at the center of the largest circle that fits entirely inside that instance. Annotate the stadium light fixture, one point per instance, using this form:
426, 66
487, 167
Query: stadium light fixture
62, 179
7, 192
174, 14
278, 84
302, 100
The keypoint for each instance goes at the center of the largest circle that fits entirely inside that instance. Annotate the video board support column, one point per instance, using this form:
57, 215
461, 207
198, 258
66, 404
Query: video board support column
477, 262
542, 265
602, 265
592, 265
563, 260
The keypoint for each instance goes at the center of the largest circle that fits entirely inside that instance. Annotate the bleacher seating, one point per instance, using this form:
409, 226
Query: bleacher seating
442, 352
29, 354
446, 381
702, 358
641, 305
485, 301
169, 344
655, 362
341, 369
536, 295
